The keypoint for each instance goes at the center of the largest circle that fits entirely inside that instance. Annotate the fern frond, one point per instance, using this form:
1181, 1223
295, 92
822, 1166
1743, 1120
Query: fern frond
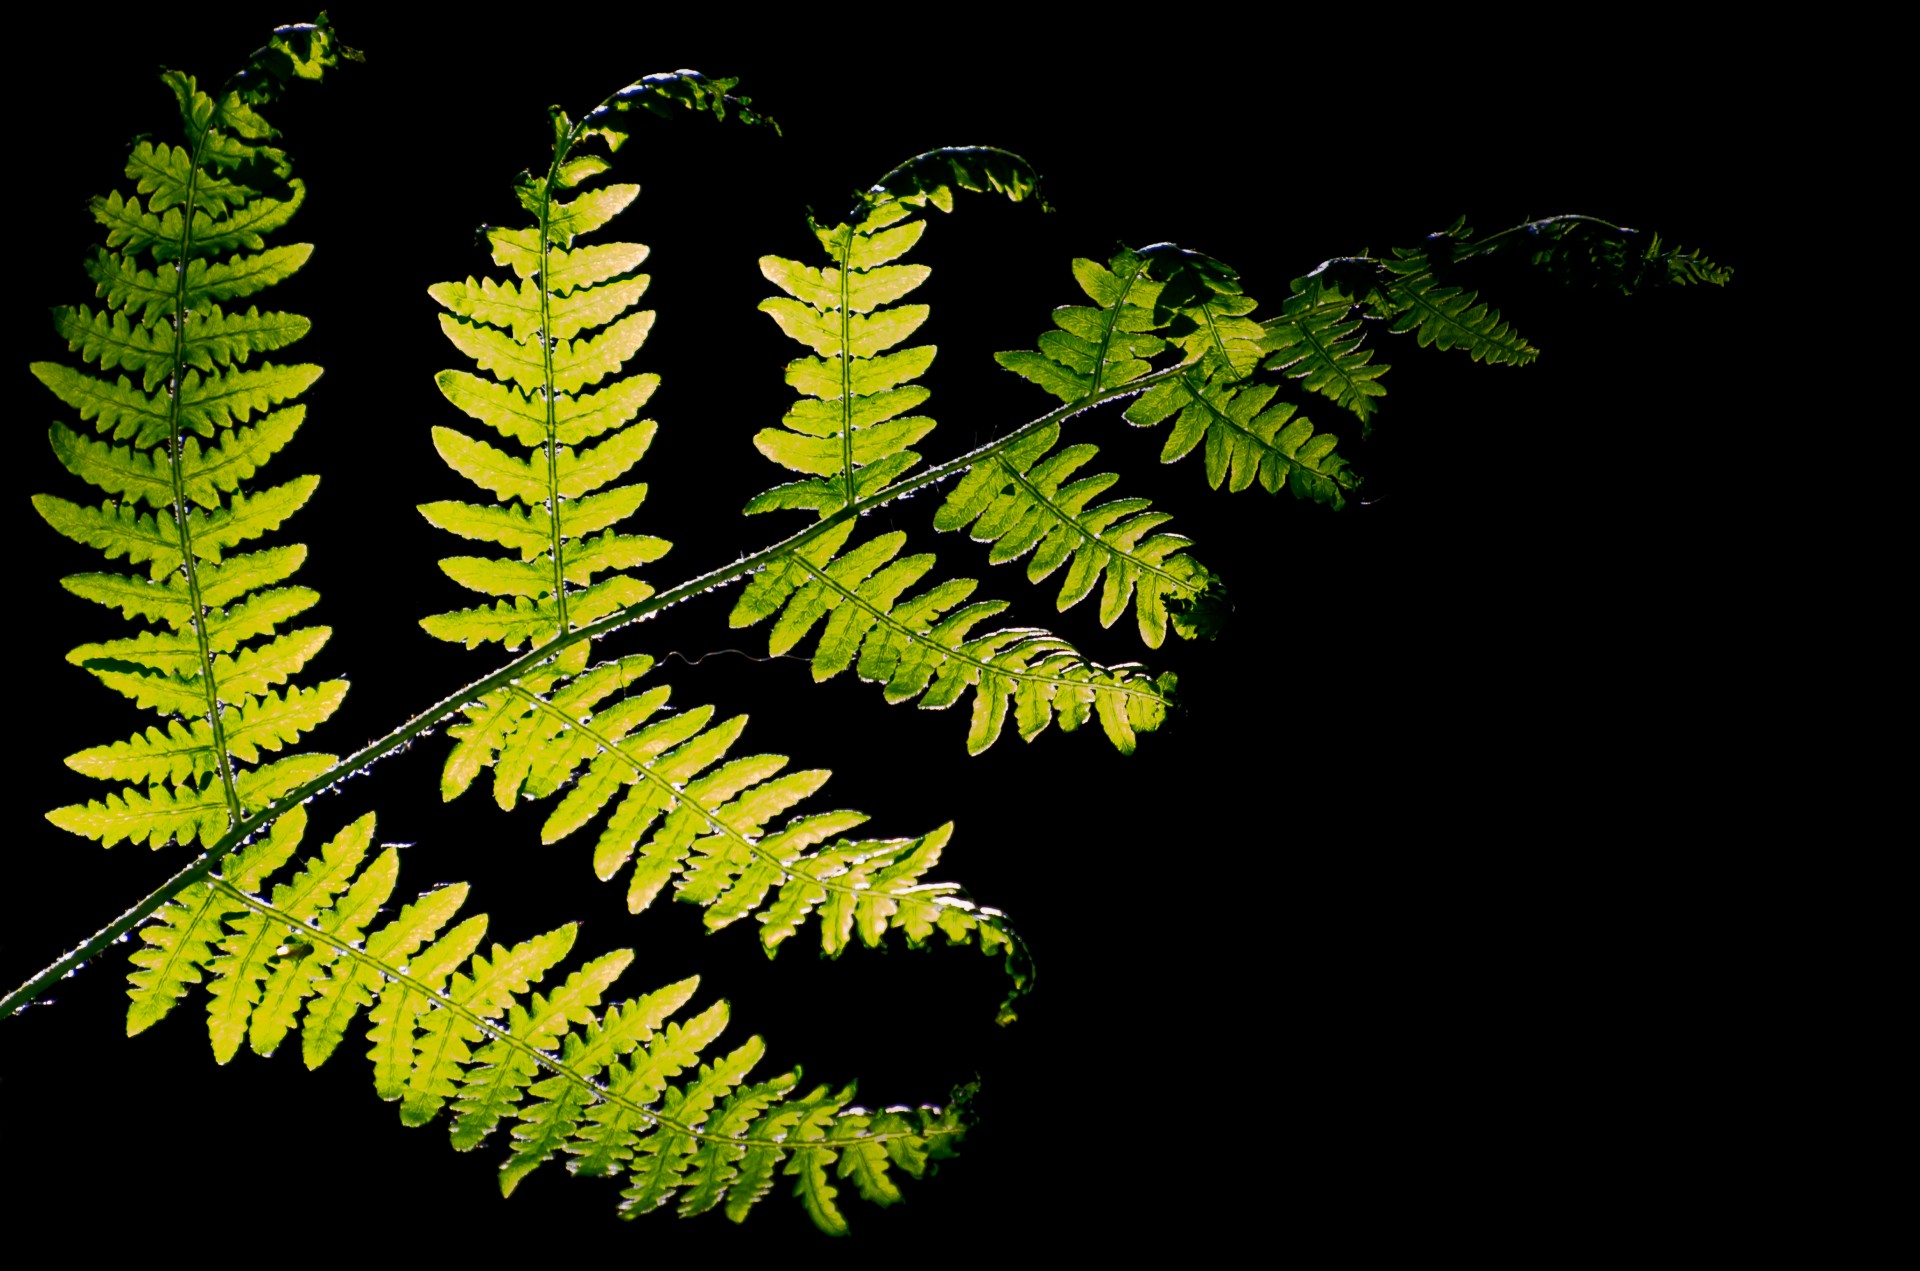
562, 324
923, 647
1317, 340
1022, 501
200, 376
1249, 437
1448, 316
850, 431
624, 1090
1100, 347
681, 814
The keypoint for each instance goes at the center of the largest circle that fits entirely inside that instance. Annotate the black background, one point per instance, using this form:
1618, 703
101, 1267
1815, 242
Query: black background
1410, 931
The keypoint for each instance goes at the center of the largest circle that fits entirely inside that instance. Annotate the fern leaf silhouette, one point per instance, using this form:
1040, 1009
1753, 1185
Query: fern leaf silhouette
198, 214
849, 429
453, 1027
677, 811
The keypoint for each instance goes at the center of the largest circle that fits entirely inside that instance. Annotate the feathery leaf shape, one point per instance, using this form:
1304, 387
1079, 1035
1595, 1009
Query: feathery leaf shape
1317, 340
624, 1089
1148, 302
923, 647
1103, 346
681, 813
850, 431
1021, 502
1448, 316
193, 371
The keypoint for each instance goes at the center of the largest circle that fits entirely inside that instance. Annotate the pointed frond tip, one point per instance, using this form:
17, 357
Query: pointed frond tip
663, 95
634, 1090
933, 177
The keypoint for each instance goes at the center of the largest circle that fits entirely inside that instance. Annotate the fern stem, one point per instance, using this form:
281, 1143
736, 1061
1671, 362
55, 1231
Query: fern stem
846, 364
1113, 319
494, 1032
181, 519
560, 148
447, 707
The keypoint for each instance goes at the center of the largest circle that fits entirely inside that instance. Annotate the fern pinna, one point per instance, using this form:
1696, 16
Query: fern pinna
196, 411
624, 1089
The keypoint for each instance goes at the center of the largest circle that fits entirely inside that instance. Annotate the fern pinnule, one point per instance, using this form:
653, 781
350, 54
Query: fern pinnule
189, 239
623, 1090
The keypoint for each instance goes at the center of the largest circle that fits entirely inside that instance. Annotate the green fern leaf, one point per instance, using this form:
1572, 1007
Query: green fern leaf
165, 270
716, 1160
850, 416
1101, 347
487, 990
339, 997
850, 430
1447, 316
1317, 341
934, 176
915, 651
178, 944
184, 812
394, 1017
549, 1124
497, 1084
300, 967
1584, 251
1021, 503
1248, 436
615, 1102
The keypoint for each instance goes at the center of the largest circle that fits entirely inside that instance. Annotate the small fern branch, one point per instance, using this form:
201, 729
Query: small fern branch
1021, 501
923, 647
193, 204
850, 432
301, 960
1247, 435
714, 846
